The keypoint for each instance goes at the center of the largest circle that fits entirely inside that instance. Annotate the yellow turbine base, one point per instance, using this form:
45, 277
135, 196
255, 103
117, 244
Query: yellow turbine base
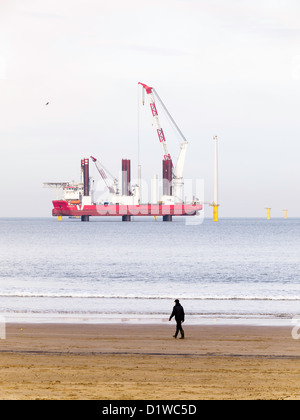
215, 213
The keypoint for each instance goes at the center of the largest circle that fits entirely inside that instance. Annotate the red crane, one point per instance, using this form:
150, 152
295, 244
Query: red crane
177, 172
112, 183
150, 92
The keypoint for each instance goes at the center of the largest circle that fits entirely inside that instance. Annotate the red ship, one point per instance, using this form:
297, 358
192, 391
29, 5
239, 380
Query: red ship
64, 208
78, 198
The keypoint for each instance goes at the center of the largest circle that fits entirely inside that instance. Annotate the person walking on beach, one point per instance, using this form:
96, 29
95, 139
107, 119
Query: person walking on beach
178, 312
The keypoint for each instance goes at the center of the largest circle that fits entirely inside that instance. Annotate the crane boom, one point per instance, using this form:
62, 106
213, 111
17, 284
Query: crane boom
177, 172
161, 136
112, 187
169, 115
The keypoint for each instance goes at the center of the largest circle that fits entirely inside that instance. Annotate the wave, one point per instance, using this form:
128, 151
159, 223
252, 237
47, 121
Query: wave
54, 295
191, 315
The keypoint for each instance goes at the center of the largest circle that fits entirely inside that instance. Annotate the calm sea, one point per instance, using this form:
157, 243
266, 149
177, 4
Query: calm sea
234, 271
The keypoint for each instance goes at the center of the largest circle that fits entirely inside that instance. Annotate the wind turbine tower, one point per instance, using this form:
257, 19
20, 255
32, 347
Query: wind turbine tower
215, 204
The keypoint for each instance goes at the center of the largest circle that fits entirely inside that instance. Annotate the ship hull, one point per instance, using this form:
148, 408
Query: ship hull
63, 208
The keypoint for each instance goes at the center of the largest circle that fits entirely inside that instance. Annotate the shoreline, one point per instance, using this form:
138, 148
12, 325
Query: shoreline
147, 319
138, 362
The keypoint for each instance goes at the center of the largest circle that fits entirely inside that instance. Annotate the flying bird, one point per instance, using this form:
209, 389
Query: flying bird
47, 103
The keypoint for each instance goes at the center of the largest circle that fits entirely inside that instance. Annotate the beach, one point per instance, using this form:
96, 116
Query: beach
144, 362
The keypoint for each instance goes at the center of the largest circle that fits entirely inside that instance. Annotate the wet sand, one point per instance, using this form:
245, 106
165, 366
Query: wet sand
138, 362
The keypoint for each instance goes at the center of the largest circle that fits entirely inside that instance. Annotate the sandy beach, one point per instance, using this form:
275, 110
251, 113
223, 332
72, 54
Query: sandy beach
137, 362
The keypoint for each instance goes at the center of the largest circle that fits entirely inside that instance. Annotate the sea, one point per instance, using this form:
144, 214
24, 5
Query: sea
236, 271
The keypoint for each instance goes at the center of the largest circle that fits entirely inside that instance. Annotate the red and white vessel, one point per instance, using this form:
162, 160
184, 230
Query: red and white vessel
64, 208
77, 198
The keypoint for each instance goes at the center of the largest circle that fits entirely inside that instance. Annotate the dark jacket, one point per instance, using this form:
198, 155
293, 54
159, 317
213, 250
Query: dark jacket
178, 312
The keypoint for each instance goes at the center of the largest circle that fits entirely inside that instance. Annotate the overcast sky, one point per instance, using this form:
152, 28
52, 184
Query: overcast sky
225, 67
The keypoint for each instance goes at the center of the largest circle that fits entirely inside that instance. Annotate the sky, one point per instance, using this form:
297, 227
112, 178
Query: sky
229, 68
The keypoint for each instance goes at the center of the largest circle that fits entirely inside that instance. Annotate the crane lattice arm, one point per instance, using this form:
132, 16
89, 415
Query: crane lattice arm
177, 172
112, 184
150, 92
